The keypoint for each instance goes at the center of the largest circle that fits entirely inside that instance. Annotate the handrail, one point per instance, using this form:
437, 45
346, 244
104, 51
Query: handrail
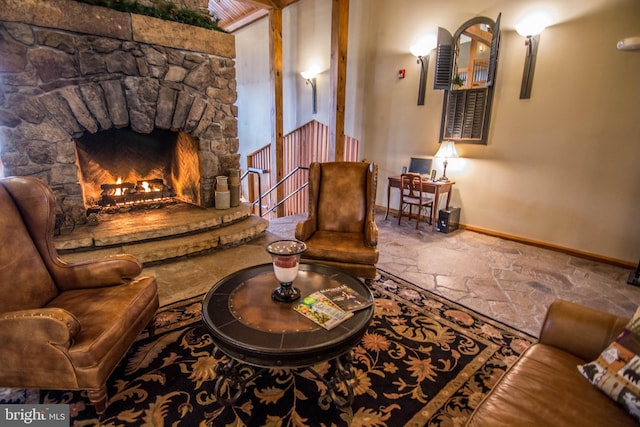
293, 193
282, 181
258, 201
257, 172
277, 184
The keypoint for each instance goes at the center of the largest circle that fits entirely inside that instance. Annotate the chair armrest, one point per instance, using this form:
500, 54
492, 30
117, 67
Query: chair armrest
305, 229
580, 330
371, 234
107, 271
35, 328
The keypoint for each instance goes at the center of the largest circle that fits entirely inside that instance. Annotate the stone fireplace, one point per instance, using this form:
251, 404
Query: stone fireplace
84, 101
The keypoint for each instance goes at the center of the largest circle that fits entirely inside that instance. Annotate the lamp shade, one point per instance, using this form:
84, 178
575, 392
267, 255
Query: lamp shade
311, 73
532, 25
423, 46
447, 150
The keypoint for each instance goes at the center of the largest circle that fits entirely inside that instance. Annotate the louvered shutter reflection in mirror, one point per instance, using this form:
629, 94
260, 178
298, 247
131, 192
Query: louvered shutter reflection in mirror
444, 60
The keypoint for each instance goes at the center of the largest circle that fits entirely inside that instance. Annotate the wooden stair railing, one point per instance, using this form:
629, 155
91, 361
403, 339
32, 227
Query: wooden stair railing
309, 143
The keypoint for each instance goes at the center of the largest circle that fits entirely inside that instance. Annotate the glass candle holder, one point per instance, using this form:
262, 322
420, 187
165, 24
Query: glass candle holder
285, 255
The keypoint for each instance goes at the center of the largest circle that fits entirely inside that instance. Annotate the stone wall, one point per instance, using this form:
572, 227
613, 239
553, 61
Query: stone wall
60, 78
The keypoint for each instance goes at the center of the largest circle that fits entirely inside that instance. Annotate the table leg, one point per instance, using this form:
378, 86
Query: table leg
233, 377
434, 208
232, 381
386, 214
343, 373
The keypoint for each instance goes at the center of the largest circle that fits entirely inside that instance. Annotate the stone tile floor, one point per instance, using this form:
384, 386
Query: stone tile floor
507, 281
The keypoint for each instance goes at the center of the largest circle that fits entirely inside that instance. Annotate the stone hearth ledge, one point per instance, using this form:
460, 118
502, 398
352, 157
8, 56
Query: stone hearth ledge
63, 15
153, 224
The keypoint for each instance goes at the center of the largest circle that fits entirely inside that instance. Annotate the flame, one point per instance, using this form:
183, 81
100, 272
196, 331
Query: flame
126, 194
119, 191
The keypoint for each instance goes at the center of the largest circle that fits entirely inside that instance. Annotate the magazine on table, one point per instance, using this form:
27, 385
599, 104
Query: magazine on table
322, 310
346, 298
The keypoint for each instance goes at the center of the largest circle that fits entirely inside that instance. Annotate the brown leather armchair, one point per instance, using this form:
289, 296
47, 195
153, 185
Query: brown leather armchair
340, 229
62, 326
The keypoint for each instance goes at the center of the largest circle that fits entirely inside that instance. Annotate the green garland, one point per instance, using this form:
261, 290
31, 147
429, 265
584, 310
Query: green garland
163, 10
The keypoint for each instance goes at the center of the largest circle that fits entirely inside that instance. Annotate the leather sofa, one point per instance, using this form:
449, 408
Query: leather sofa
63, 326
340, 228
544, 386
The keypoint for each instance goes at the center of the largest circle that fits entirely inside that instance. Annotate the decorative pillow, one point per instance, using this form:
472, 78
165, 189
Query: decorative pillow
617, 370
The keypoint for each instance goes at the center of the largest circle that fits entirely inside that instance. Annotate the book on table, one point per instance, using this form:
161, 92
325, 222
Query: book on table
332, 306
346, 298
321, 310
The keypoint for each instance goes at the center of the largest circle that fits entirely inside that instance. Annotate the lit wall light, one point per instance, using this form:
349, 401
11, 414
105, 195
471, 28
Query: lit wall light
310, 77
630, 43
530, 27
421, 49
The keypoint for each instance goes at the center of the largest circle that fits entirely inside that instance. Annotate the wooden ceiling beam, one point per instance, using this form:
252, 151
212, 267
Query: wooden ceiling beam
477, 34
269, 4
263, 4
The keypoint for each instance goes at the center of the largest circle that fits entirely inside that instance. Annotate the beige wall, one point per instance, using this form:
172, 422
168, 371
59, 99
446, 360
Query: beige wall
255, 126
560, 168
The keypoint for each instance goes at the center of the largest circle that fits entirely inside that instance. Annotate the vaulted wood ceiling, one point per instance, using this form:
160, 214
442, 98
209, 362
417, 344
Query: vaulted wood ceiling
235, 14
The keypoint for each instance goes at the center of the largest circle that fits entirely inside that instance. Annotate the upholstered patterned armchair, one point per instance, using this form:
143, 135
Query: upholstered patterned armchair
340, 229
62, 326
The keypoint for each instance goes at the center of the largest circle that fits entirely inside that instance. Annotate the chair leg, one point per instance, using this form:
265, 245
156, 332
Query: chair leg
98, 399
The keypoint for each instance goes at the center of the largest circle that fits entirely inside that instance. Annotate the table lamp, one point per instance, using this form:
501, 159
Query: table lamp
447, 151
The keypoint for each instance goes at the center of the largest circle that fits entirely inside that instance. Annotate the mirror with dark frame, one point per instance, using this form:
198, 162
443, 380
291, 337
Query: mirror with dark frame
465, 68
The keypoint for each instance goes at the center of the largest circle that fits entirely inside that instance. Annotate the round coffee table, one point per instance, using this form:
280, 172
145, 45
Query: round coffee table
249, 327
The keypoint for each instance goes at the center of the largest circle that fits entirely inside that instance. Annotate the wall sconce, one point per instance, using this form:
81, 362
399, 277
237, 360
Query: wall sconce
421, 50
530, 27
310, 77
447, 151
630, 43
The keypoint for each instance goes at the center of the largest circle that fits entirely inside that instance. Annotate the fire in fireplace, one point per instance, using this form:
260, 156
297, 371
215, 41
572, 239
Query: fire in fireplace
121, 168
140, 194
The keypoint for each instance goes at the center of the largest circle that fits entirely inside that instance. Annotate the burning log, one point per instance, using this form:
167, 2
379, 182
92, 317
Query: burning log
124, 186
126, 193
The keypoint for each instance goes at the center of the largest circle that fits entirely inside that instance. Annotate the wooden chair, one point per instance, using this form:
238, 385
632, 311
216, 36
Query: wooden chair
411, 195
63, 326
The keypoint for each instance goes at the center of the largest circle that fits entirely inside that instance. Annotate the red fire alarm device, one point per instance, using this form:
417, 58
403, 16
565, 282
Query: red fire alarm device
401, 73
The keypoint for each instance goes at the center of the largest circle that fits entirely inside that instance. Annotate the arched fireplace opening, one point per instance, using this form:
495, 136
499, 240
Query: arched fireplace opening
123, 169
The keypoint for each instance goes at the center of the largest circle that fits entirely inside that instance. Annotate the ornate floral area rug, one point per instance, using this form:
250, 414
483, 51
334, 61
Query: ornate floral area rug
424, 361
